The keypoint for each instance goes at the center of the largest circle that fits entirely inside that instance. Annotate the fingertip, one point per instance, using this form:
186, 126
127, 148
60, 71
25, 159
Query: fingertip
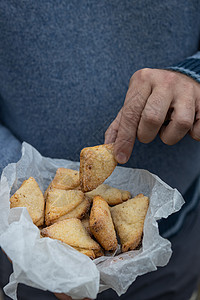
164, 138
122, 150
195, 136
195, 131
121, 158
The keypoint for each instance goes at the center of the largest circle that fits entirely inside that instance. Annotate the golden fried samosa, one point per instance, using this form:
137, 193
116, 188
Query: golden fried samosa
112, 195
101, 224
96, 165
30, 196
78, 212
73, 233
65, 179
61, 202
128, 219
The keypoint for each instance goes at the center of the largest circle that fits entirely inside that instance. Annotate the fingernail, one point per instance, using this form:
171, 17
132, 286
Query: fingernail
121, 158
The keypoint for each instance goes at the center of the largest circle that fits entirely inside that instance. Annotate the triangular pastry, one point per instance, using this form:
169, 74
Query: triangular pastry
30, 196
65, 179
128, 219
71, 232
61, 202
112, 195
96, 165
78, 212
101, 224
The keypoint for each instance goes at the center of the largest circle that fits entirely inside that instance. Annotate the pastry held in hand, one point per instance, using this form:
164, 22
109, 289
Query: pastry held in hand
96, 165
30, 196
112, 195
73, 233
65, 179
60, 202
128, 219
101, 224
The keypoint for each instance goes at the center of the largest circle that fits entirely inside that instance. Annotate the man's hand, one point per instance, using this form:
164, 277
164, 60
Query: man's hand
157, 101
62, 296
65, 297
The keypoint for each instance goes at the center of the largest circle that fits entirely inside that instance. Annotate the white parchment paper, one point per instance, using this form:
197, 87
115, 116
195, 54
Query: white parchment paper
51, 265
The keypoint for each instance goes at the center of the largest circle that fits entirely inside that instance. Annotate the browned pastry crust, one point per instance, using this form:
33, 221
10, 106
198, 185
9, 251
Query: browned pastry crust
30, 196
78, 212
101, 224
112, 195
61, 202
65, 179
96, 165
87, 252
128, 219
73, 233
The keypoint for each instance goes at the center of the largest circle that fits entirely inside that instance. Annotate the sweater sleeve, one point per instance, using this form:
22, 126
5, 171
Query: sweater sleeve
10, 148
190, 66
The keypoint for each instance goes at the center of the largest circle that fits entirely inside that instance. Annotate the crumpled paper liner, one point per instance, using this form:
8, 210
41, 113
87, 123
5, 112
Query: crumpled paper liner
49, 264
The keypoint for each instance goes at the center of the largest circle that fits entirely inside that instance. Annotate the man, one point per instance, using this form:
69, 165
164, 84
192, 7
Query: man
64, 73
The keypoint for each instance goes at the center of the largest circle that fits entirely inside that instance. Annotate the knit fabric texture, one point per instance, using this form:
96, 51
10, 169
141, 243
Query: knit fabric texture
190, 66
65, 68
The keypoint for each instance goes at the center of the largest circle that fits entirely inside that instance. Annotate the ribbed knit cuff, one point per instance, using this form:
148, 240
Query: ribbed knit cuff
190, 66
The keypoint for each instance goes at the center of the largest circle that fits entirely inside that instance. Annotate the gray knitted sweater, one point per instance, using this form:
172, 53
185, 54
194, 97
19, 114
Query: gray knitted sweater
65, 69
